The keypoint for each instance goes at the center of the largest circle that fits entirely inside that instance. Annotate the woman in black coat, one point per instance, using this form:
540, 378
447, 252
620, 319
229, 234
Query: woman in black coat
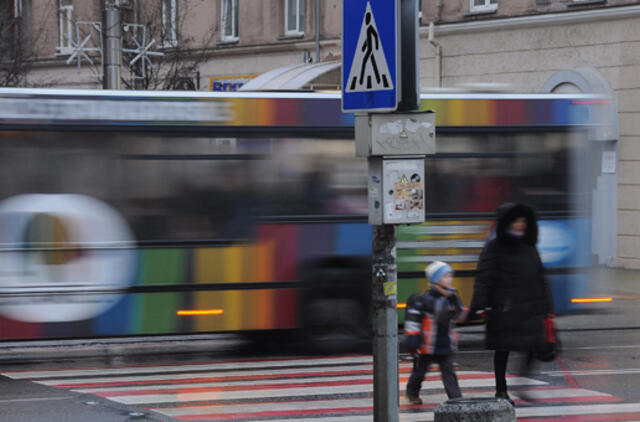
512, 288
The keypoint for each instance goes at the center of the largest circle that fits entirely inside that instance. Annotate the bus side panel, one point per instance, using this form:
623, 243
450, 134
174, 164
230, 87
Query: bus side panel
117, 320
457, 242
156, 312
353, 239
209, 267
317, 240
262, 271
287, 241
566, 287
12, 329
566, 243
272, 258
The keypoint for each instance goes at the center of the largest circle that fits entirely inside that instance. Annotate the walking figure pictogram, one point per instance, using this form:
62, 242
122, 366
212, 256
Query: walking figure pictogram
367, 46
369, 70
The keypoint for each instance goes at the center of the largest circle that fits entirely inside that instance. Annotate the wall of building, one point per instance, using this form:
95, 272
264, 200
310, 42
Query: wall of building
524, 57
450, 11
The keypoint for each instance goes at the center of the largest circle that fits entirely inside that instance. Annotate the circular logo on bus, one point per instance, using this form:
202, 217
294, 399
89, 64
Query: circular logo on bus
63, 257
555, 242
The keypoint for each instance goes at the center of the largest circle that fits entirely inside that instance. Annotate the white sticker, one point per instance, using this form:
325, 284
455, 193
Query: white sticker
389, 210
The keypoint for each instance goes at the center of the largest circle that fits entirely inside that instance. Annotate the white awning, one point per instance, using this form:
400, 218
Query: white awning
291, 77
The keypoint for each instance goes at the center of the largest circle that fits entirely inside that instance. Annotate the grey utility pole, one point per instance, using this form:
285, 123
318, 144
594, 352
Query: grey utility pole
385, 300
112, 41
410, 64
385, 323
380, 75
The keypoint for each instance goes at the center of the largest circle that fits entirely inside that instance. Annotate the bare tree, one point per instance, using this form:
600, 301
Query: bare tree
164, 25
18, 39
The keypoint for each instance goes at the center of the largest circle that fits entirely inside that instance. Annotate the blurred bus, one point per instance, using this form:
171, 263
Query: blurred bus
139, 213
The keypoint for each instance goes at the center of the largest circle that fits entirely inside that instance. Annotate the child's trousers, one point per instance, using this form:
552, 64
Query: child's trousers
421, 366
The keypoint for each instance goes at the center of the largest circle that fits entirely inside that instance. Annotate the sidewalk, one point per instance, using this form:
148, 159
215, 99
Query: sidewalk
114, 348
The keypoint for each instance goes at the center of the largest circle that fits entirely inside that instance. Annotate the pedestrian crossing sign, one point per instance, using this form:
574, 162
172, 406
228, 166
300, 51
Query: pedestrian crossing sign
370, 44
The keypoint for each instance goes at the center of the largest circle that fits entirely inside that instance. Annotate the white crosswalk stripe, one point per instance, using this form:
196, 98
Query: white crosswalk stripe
192, 367
426, 384
320, 389
187, 374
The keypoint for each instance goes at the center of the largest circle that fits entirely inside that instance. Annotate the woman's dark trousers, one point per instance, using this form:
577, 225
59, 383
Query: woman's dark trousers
421, 366
500, 359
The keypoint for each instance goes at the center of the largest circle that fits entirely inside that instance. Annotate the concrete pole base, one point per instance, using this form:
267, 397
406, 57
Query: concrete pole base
475, 410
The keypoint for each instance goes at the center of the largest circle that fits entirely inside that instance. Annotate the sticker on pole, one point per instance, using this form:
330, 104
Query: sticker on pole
369, 53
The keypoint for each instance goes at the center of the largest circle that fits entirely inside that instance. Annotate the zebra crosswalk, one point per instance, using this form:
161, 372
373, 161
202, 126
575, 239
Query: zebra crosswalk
314, 389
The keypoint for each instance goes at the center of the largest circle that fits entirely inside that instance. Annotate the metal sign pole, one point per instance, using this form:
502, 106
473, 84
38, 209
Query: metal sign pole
385, 324
395, 145
112, 56
386, 395
409, 65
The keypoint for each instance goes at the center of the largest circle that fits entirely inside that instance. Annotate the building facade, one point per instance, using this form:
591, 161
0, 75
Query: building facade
221, 44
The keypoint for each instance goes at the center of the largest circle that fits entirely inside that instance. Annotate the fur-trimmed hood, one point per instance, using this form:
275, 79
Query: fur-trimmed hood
507, 213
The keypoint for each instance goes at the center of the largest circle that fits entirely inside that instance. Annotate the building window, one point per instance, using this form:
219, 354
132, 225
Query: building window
479, 6
169, 23
229, 20
65, 26
293, 17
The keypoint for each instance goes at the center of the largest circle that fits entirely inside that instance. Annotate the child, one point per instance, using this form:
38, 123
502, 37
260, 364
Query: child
432, 314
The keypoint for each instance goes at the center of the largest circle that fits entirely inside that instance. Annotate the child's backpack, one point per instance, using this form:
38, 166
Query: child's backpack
413, 324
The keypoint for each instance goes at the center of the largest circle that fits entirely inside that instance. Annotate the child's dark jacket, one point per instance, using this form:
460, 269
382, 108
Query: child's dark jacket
433, 315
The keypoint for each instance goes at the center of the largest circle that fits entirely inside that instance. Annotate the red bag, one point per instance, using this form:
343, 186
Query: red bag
551, 347
549, 329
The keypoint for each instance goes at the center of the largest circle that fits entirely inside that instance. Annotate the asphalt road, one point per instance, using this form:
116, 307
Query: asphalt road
602, 360
605, 361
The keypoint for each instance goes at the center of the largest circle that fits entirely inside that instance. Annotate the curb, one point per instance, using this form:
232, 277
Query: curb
108, 348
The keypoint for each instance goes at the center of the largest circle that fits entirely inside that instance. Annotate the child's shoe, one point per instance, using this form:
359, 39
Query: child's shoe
414, 399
